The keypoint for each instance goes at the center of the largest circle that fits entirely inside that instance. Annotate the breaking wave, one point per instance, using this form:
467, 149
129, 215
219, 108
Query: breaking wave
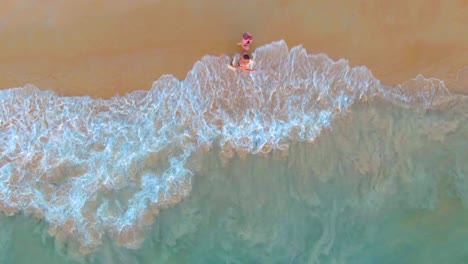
92, 167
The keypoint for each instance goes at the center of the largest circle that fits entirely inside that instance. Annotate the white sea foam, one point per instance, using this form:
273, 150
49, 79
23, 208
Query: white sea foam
92, 167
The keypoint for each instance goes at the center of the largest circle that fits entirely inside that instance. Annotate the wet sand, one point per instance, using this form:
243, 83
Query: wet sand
104, 48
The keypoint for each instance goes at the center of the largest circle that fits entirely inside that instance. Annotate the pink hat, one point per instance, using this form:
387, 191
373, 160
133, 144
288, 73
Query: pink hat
247, 35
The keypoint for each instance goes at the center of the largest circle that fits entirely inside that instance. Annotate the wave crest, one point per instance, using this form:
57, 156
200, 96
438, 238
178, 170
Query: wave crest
92, 167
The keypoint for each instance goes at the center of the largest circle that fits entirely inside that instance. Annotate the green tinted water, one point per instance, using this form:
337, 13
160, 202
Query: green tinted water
384, 185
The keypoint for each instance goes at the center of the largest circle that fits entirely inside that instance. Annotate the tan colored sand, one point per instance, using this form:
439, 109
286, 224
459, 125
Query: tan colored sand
102, 48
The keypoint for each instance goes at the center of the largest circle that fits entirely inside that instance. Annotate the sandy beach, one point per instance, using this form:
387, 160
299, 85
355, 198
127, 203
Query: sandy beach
105, 48
307, 160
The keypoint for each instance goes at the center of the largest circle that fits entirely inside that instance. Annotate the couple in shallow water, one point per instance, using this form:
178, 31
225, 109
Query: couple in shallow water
244, 60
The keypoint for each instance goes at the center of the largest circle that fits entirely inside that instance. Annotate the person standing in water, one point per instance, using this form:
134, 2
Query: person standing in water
244, 59
243, 63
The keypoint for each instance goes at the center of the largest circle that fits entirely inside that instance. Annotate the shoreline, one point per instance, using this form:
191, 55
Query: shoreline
93, 49
65, 84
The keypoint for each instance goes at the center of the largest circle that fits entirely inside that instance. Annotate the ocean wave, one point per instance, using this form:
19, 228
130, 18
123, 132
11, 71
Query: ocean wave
92, 167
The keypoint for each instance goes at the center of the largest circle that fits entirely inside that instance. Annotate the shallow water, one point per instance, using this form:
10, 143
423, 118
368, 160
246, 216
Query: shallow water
310, 161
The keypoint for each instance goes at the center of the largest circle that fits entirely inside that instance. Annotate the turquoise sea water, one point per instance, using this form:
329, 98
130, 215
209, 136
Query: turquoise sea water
306, 161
